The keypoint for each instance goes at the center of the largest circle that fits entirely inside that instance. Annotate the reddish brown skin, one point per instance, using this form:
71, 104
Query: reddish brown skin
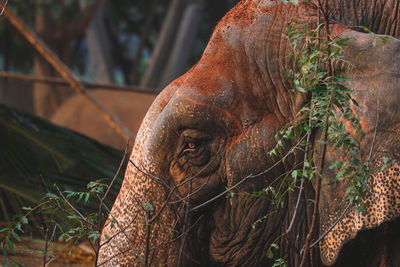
230, 105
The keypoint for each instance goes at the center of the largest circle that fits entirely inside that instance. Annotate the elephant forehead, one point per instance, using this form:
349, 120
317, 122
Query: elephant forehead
185, 109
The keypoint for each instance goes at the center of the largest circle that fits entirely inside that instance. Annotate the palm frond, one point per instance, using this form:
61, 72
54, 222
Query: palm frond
35, 153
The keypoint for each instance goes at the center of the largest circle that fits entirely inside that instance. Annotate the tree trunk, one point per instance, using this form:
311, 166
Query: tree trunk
99, 46
13, 93
135, 72
162, 50
184, 42
46, 97
58, 34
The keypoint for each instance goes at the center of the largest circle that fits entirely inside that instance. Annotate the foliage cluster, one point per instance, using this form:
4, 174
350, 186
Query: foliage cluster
317, 72
69, 216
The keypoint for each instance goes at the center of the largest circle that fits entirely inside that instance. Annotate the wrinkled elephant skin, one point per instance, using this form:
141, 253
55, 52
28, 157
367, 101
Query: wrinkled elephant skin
212, 128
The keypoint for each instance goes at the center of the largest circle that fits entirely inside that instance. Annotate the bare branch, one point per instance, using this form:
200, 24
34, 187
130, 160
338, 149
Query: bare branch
126, 236
302, 180
163, 243
250, 176
74, 209
61, 81
100, 210
112, 182
119, 232
332, 226
337, 9
148, 233
4, 8
324, 147
375, 131
64, 71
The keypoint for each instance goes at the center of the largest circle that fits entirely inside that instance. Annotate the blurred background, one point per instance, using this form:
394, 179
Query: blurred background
139, 45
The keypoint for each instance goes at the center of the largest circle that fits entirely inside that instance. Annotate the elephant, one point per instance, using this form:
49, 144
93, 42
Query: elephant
204, 144
129, 107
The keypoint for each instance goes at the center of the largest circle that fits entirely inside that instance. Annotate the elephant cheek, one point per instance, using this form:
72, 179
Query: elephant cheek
199, 188
382, 205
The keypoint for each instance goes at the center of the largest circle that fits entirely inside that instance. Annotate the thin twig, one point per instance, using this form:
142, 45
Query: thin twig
185, 223
375, 131
348, 205
109, 238
100, 210
175, 188
115, 176
4, 8
336, 10
47, 240
332, 226
46, 245
324, 147
126, 236
302, 180
179, 236
250, 176
62, 81
74, 209
148, 233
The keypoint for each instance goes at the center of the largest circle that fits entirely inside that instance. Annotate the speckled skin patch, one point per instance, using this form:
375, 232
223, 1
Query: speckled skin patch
124, 235
382, 205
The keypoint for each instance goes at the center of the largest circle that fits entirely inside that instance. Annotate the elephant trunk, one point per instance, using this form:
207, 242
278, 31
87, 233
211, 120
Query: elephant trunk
138, 225
139, 229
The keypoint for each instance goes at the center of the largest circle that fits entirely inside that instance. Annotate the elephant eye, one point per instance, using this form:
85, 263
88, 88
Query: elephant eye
190, 146
192, 143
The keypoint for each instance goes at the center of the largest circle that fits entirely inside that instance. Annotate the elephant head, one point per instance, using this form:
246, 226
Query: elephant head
212, 129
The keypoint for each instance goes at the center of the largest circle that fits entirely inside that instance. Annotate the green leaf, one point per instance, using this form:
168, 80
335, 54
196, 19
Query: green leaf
273, 245
16, 236
384, 39
24, 220
340, 174
149, 206
10, 245
294, 175
334, 165
342, 42
270, 254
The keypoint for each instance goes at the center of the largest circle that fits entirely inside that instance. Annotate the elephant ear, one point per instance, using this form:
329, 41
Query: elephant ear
374, 80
